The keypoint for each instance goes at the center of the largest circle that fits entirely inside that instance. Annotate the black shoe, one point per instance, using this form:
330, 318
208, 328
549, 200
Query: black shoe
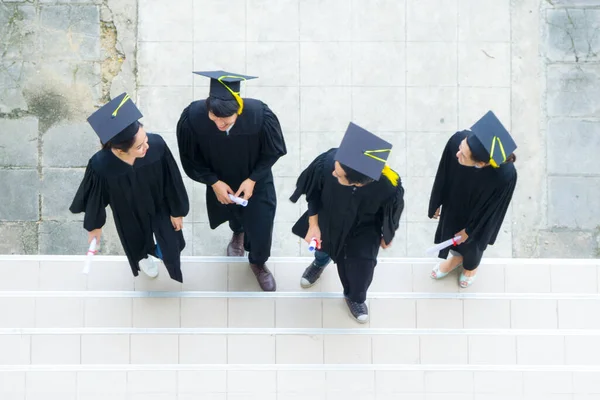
311, 274
359, 311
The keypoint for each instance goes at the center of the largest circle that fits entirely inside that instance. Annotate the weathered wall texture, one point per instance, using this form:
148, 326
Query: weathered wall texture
59, 60
414, 71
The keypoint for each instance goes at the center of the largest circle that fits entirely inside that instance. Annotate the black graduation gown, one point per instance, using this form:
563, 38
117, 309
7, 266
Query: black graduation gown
253, 145
352, 219
474, 199
143, 197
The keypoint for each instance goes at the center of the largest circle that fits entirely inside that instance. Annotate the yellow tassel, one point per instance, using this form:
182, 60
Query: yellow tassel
391, 175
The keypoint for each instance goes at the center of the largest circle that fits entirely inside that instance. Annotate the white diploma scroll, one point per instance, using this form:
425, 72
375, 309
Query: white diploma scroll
88, 259
238, 200
312, 246
440, 246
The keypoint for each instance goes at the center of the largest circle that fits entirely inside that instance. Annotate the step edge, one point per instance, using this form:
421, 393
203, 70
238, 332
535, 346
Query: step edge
281, 260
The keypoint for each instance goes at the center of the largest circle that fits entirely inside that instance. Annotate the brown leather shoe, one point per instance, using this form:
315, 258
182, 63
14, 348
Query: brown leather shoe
235, 248
264, 277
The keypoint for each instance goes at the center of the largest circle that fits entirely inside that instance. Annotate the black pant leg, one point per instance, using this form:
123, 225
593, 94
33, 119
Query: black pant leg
341, 267
235, 220
258, 221
358, 275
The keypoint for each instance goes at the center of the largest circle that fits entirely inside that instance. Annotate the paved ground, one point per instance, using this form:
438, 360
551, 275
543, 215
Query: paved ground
413, 71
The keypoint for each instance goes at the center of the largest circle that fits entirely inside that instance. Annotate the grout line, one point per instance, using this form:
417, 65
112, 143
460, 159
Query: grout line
295, 367
294, 295
299, 331
239, 260
458, 87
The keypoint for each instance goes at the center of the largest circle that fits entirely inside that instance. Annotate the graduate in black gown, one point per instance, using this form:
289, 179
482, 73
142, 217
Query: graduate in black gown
230, 144
136, 175
471, 193
354, 206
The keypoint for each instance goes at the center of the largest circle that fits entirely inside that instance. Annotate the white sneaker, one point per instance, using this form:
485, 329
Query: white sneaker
149, 266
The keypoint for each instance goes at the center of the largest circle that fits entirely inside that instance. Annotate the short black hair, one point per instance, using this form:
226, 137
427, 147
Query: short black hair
124, 145
222, 108
354, 177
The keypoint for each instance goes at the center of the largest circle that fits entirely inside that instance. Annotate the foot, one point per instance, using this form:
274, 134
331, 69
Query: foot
235, 248
467, 278
149, 266
311, 274
443, 268
358, 311
264, 277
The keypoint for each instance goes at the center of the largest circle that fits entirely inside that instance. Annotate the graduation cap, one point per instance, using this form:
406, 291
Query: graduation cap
226, 85
116, 120
363, 151
491, 140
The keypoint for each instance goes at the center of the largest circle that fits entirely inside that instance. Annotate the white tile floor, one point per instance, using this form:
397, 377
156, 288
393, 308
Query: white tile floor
211, 342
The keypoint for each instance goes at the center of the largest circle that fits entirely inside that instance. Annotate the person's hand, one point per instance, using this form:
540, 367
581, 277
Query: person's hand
436, 215
313, 231
463, 237
247, 187
96, 233
177, 223
222, 191
383, 245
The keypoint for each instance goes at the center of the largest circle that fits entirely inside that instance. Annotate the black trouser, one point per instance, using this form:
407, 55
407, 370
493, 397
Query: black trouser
256, 221
235, 225
471, 254
355, 274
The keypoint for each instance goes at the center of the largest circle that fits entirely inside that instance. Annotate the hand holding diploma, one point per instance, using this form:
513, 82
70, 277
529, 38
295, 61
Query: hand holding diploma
247, 187
238, 200
440, 246
222, 191
313, 236
90, 253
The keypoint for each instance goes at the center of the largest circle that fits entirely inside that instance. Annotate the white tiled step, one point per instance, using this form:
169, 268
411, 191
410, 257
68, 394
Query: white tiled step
277, 312
292, 384
227, 274
148, 346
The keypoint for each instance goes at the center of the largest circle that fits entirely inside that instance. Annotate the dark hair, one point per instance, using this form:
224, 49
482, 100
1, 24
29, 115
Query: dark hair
222, 108
123, 145
354, 177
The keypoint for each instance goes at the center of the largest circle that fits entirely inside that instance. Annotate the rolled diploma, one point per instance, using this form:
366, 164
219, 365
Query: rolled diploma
238, 200
88, 259
312, 246
443, 245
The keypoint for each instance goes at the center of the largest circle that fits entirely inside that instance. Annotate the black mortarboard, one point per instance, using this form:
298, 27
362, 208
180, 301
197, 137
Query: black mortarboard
363, 152
491, 140
226, 85
116, 120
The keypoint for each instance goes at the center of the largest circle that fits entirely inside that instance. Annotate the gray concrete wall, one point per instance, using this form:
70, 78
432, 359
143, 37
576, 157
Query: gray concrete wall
414, 71
571, 111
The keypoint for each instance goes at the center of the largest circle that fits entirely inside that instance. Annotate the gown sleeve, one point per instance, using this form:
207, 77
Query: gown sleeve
392, 211
272, 145
310, 183
437, 192
91, 198
175, 193
487, 217
192, 161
